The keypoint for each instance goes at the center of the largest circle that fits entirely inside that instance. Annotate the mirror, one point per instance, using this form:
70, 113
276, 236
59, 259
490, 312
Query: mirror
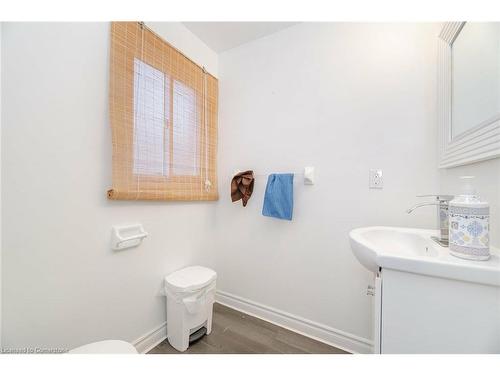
475, 76
468, 92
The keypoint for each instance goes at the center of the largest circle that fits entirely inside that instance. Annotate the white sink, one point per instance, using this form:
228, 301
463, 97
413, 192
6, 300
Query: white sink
412, 250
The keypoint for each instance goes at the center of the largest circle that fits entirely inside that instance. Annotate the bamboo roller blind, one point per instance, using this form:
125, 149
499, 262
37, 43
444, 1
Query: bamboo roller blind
163, 114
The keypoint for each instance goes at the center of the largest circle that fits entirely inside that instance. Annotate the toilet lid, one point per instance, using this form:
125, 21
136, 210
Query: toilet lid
105, 347
190, 279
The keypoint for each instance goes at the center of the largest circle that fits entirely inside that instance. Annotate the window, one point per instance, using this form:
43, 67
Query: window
151, 156
186, 131
163, 114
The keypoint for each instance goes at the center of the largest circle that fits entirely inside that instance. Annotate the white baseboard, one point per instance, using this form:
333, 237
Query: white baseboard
147, 342
317, 331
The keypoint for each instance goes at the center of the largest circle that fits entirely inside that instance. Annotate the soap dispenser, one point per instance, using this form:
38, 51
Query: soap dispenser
469, 224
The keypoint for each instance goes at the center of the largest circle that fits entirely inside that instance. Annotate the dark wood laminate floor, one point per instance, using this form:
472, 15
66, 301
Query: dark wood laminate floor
234, 332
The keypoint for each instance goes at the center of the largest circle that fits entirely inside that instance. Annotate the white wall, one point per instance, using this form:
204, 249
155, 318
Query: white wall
62, 285
487, 184
343, 98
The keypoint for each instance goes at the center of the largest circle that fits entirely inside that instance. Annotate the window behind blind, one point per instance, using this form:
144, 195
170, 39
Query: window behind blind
163, 114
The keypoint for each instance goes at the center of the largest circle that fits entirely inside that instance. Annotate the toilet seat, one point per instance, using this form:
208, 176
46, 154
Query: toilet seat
105, 347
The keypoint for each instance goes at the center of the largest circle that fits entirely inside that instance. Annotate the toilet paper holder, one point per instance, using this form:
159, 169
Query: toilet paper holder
127, 236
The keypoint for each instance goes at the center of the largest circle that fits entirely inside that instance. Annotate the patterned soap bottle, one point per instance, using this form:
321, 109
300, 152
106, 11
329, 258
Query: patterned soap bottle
469, 218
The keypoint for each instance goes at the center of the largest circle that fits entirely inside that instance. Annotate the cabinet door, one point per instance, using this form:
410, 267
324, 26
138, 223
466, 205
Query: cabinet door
424, 314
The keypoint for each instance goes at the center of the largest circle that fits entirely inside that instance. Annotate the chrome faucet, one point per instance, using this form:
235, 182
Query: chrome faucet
442, 204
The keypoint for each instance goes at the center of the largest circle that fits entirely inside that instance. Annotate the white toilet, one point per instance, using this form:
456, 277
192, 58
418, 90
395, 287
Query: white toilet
105, 347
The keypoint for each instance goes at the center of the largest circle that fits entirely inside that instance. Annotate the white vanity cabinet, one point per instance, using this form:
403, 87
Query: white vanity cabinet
418, 313
427, 300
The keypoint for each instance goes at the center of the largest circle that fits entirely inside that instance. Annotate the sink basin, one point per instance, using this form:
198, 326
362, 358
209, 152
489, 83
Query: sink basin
413, 250
368, 243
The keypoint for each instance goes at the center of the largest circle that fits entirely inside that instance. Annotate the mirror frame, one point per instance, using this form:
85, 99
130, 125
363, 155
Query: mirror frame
482, 141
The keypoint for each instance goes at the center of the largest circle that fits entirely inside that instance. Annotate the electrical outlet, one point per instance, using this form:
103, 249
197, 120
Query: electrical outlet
376, 179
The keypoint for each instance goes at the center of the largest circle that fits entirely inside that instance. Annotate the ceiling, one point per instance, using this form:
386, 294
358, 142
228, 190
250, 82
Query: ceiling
221, 36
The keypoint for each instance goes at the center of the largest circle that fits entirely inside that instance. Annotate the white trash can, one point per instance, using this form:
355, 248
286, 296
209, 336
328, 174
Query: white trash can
190, 297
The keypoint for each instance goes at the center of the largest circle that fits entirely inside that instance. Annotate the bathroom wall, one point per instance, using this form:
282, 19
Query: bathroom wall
343, 98
487, 185
62, 284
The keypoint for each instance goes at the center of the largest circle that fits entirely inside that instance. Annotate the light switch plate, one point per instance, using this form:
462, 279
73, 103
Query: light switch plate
376, 179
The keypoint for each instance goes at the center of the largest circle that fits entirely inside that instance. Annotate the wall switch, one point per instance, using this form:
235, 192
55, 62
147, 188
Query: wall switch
376, 179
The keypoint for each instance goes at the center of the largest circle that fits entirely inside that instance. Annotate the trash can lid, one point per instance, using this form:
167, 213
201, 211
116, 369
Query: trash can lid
190, 279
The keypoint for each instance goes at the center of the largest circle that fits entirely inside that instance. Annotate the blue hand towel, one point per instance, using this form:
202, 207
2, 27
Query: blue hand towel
278, 200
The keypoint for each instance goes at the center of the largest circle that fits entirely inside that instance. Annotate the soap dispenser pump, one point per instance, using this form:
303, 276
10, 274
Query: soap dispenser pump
469, 224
